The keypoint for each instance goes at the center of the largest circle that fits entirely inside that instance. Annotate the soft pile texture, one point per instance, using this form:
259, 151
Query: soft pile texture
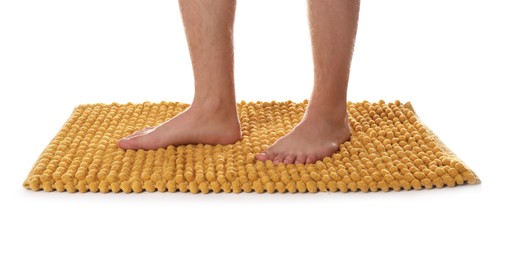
389, 149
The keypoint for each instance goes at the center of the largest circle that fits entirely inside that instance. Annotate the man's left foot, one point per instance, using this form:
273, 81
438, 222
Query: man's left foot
314, 138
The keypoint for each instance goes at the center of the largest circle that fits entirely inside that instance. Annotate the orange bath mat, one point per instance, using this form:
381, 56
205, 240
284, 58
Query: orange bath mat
390, 149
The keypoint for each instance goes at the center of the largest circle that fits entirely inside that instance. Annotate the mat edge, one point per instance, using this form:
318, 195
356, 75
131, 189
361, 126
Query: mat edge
26, 182
441, 144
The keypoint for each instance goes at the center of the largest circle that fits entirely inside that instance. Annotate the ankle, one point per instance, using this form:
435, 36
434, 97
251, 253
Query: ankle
334, 113
215, 106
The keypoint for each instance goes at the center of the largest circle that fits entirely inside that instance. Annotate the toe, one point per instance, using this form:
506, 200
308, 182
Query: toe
138, 133
136, 140
278, 158
129, 143
290, 159
148, 140
300, 158
263, 156
310, 158
141, 132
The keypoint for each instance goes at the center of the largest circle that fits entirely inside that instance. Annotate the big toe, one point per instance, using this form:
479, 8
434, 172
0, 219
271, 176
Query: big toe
265, 155
141, 132
138, 140
134, 143
127, 143
262, 156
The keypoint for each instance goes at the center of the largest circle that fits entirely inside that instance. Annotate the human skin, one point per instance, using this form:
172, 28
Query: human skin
212, 117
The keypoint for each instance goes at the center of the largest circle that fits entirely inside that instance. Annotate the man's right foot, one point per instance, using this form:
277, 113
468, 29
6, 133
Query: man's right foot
195, 125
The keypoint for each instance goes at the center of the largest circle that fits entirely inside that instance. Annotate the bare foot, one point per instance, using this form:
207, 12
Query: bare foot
194, 125
310, 140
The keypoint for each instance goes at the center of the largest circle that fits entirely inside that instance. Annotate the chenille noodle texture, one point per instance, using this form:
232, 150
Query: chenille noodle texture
390, 149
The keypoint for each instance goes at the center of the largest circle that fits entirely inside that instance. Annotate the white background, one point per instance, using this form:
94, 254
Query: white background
449, 58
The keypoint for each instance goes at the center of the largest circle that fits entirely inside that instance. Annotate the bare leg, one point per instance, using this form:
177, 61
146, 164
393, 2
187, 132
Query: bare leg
212, 117
325, 125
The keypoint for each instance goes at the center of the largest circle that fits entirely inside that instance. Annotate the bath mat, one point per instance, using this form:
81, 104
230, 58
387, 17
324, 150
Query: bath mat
390, 149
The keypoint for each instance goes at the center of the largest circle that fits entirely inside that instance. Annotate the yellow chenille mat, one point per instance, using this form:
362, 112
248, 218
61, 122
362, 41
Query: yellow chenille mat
390, 149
